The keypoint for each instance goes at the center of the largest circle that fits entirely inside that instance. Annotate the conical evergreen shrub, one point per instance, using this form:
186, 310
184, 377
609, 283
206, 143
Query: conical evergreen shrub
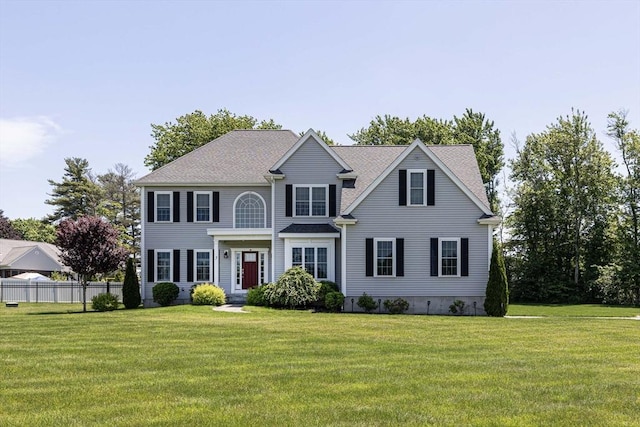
497, 295
131, 287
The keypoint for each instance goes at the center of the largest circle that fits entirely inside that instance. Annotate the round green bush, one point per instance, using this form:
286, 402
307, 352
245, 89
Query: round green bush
208, 294
397, 306
367, 303
294, 289
255, 296
333, 301
104, 302
326, 287
165, 293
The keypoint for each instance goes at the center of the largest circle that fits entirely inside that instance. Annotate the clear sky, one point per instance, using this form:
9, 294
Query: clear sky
87, 78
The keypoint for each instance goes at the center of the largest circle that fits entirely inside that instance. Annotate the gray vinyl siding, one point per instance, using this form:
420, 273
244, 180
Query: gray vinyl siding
310, 164
185, 235
454, 215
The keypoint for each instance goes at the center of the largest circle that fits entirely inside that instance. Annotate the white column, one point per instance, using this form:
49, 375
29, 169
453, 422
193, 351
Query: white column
273, 230
343, 260
216, 261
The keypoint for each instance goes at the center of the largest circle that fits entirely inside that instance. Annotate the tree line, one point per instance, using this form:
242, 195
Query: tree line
571, 231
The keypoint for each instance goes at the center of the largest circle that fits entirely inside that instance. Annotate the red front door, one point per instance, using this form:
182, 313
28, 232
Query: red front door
249, 269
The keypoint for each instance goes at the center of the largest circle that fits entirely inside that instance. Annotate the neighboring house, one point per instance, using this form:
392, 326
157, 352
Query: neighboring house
22, 256
392, 221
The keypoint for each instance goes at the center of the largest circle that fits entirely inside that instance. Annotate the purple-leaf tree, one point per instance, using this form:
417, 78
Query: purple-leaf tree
89, 246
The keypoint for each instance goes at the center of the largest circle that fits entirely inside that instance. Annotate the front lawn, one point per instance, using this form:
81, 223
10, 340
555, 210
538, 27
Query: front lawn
190, 365
578, 310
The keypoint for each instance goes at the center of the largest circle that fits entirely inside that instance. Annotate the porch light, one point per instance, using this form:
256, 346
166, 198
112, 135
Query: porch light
226, 254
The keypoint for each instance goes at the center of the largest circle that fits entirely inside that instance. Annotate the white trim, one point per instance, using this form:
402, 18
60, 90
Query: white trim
424, 187
329, 244
195, 265
216, 261
493, 220
236, 288
458, 256
343, 260
347, 175
311, 187
344, 221
264, 204
227, 234
155, 206
432, 157
273, 230
489, 245
393, 256
195, 205
199, 184
156, 279
310, 134
143, 252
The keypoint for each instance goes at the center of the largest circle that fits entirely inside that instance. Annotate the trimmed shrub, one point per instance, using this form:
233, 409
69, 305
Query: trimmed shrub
131, 287
208, 294
255, 296
165, 293
397, 306
294, 289
457, 307
333, 301
496, 301
367, 303
326, 287
104, 302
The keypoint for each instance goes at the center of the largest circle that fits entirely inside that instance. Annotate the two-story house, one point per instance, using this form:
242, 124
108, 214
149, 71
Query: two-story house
392, 221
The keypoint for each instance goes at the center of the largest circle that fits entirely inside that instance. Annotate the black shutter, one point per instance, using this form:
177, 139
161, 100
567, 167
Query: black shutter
288, 200
332, 200
189, 206
402, 187
151, 210
399, 257
176, 206
431, 187
216, 206
369, 256
176, 265
434, 256
150, 265
189, 265
464, 263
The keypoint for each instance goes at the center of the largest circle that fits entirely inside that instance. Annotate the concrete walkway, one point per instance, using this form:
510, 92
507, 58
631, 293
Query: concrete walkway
231, 308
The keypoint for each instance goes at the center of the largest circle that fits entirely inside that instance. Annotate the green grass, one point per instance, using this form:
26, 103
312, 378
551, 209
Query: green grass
579, 310
190, 365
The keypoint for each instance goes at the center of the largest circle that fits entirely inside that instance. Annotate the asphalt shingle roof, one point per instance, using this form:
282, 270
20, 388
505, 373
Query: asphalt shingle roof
238, 157
310, 228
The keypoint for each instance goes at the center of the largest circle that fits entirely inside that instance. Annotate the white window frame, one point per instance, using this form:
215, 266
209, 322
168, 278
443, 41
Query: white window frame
155, 264
155, 206
424, 186
393, 256
195, 205
458, 258
310, 200
195, 265
264, 204
236, 263
328, 244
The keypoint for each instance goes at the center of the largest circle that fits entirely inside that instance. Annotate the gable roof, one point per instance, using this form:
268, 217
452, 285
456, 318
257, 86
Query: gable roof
310, 134
12, 251
467, 181
236, 158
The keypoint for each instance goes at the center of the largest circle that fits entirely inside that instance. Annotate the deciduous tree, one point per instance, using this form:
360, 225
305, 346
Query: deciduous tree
35, 230
7, 230
89, 246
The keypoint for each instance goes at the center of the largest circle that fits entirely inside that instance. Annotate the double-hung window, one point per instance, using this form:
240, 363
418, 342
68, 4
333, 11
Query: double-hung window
203, 265
203, 206
384, 256
163, 206
311, 200
163, 266
449, 257
314, 259
416, 186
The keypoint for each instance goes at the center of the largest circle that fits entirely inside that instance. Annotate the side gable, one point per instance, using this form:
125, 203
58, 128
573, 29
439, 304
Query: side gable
310, 136
418, 145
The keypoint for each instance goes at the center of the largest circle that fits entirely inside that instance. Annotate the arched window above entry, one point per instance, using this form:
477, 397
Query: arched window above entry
249, 211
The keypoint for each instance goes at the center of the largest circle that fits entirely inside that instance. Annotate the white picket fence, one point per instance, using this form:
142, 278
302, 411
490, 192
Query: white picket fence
16, 290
